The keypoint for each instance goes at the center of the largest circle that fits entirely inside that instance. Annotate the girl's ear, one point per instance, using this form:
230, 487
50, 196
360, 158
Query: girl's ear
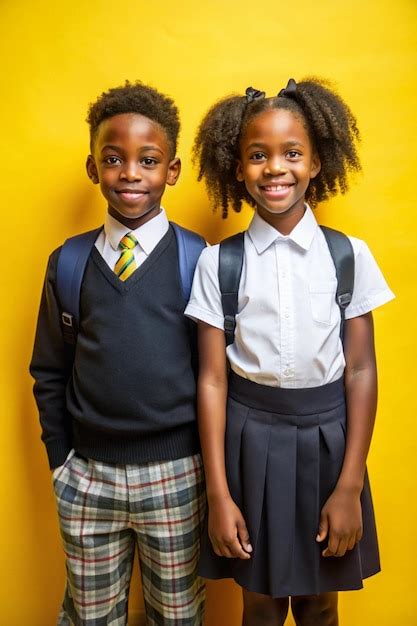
239, 172
315, 166
174, 169
92, 169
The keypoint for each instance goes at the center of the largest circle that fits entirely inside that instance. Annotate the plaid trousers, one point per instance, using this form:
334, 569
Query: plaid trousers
104, 510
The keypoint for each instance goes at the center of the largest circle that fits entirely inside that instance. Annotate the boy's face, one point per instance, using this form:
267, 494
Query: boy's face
132, 162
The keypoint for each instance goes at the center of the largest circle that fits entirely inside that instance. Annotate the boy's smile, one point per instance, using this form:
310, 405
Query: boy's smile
132, 162
277, 163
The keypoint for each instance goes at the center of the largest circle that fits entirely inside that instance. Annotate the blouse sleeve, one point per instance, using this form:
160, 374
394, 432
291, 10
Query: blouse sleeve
205, 300
370, 289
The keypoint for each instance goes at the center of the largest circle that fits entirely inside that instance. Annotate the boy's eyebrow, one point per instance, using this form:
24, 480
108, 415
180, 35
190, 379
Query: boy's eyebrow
110, 146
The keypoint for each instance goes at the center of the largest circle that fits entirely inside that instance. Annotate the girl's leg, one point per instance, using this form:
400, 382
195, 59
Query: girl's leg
261, 610
320, 610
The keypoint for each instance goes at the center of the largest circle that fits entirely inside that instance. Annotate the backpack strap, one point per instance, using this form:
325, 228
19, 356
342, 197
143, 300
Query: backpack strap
190, 246
341, 251
230, 269
72, 261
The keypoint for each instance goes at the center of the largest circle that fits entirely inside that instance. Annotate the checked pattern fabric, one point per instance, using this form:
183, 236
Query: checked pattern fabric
126, 263
104, 511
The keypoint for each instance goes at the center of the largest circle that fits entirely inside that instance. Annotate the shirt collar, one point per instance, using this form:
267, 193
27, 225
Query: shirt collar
263, 234
148, 235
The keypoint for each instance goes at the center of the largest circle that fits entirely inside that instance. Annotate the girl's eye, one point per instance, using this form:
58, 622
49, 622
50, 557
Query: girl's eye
258, 156
293, 154
149, 161
112, 160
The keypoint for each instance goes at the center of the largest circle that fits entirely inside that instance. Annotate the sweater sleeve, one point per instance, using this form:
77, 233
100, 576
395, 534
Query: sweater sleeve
51, 370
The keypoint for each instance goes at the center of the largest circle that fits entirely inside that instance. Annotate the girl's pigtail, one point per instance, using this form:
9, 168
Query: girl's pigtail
334, 134
216, 150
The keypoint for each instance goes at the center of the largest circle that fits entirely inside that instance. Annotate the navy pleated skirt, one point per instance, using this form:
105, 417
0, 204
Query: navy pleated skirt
284, 454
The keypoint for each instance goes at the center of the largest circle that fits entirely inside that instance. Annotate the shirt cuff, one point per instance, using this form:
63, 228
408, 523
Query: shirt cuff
369, 304
202, 315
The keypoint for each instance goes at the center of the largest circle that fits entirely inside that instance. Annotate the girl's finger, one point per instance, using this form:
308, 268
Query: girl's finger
323, 528
352, 542
342, 547
243, 535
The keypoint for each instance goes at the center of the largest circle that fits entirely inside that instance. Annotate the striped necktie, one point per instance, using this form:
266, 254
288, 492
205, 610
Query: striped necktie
126, 263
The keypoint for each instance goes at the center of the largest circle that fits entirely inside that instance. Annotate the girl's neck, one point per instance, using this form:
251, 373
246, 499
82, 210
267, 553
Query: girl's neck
283, 222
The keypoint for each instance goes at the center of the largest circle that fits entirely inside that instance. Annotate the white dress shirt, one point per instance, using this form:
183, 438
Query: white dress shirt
148, 236
288, 321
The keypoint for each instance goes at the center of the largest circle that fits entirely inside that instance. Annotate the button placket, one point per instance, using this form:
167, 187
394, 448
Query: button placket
285, 313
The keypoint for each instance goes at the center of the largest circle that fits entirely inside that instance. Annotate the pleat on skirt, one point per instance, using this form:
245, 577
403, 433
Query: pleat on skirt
284, 454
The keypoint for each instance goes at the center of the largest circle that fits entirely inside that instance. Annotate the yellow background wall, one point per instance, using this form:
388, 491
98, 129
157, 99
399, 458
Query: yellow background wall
56, 58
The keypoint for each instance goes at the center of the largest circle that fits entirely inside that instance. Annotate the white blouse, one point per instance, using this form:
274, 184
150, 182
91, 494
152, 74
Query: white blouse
288, 321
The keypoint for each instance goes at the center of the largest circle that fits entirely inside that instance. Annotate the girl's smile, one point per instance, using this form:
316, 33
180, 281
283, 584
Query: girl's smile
277, 163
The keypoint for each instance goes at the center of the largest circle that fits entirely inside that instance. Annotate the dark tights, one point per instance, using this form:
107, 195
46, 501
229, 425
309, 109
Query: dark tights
261, 610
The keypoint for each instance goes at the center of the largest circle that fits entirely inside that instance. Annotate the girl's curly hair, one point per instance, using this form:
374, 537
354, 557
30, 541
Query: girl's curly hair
329, 122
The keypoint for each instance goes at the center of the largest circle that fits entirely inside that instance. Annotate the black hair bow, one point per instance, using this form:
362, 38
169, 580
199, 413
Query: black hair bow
289, 90
253, 94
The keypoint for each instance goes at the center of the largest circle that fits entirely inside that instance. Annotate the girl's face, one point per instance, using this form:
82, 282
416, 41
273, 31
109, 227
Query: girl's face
277, 163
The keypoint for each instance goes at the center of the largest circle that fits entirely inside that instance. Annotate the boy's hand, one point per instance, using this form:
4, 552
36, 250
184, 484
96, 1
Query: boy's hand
227, 529
341, 521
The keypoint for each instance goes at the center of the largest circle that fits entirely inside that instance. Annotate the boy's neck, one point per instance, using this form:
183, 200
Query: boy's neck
135, 222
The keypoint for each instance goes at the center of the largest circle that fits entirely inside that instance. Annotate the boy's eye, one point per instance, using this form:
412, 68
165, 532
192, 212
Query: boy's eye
112, 160
149, 161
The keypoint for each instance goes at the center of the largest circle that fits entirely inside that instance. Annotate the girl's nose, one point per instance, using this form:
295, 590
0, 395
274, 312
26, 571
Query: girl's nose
274, 167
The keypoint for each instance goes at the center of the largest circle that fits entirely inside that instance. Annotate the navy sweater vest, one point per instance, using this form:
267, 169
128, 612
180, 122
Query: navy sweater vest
131, 395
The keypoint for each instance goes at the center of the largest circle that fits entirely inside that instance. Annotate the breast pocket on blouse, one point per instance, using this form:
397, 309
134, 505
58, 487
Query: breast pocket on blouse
322, 298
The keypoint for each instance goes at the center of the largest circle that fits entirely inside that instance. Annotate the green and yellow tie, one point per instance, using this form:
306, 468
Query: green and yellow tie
126, 264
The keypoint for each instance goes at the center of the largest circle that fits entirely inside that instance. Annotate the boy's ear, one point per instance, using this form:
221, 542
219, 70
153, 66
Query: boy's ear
174, 169
92, 169
239, 172
315, 166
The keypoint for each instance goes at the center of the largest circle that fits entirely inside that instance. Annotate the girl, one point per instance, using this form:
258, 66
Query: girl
285, 436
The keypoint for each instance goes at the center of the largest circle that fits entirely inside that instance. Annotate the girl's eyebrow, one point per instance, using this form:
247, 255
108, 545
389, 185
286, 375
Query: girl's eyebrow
292, 143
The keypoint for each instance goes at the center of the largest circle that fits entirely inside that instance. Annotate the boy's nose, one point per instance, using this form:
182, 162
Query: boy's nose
131, 172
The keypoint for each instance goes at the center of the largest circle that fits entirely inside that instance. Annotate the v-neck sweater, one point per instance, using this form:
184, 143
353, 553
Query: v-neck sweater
130, 396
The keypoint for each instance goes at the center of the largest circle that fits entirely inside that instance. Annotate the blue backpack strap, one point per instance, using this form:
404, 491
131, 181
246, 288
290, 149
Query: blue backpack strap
230, 269
72, 261
190, 246
341, 251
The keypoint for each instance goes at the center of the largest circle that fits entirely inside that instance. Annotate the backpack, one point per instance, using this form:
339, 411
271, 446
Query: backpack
73, 259
230, 269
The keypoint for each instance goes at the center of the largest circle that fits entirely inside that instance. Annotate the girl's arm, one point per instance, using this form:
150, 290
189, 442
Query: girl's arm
227, 528
341, 516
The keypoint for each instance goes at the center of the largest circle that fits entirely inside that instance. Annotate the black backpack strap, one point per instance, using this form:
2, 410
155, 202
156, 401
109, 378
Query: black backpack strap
230, 269
341, 251
72, 261
190, 245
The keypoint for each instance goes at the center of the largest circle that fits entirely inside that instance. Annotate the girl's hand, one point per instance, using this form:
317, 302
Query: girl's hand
341, 521
227, 529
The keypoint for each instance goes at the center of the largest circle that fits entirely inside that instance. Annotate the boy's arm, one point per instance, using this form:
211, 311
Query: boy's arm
341, 517
227, 528
51, 370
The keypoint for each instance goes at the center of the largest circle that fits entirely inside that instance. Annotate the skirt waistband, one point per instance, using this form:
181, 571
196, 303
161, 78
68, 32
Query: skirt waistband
305, 401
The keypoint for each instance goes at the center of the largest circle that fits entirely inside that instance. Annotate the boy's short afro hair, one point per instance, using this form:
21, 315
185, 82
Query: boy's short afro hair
136, 98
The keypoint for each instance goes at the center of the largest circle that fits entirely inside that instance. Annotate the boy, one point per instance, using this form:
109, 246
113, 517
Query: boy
119, 422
